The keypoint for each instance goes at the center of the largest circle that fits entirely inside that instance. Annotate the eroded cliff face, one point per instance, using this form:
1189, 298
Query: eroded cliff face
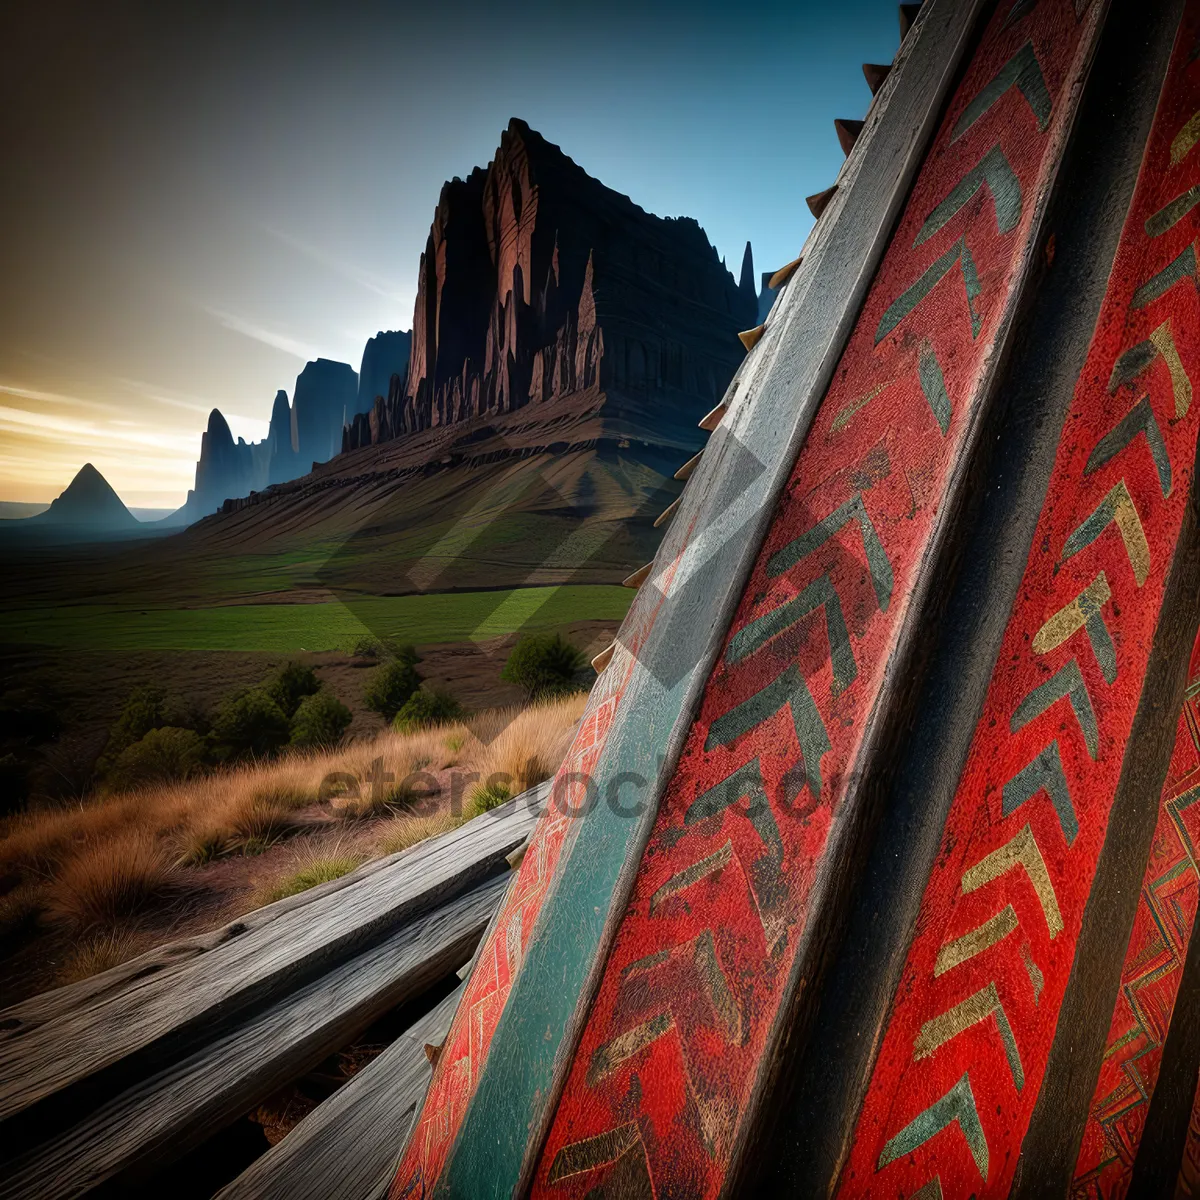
538, 282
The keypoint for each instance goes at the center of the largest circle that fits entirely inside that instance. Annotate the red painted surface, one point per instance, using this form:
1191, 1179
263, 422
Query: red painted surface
1150, 978
967, 1079
466, 1045
682, 1024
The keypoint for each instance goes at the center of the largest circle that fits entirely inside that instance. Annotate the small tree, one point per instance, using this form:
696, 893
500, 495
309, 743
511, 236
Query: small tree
320, 720
423, 709
144, 710
544, 665
250, 724
162, 756
291, 685
389, 687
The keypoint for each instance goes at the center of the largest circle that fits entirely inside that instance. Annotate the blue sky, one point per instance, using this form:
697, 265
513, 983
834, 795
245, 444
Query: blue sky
207, 195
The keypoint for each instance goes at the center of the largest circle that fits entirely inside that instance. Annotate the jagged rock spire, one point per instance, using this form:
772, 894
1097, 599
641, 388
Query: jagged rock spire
746, 282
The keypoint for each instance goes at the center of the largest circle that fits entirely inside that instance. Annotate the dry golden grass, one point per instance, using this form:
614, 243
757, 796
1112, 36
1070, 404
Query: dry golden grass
106, 949
523, 747
403, 831
112, 880
101, 865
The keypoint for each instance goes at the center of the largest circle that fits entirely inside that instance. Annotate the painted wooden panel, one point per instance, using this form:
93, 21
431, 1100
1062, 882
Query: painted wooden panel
973, 1020
478, 1130
1152, 972
710, 952
499, 959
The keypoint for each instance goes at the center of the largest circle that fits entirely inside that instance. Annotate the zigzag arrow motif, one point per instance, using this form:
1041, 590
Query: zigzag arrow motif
1172, 213
994, 171
1082, 613
591, 1153
976, 941
788, 689
1021, 851
703, 979
957, 255
1138, 359
958, 1104
1180, 268
1117, 507
745, 783
1067, 681
1187, 137
933, 384
819, 594
710, 864
974, 1009
1139, 419
1044, 773
877, 560
1021, 71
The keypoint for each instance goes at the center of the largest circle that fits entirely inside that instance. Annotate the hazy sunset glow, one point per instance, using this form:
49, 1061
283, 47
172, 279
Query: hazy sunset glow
209, 196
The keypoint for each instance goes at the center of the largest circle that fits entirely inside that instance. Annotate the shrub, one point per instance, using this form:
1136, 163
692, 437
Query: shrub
483, 797
162, 756
423, 709
146, 709
292, 685
390, 686
545, 665
321, 720
367, 647
250, 725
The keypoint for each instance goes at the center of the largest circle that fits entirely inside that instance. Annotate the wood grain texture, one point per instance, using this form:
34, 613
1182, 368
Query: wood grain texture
165, 1115
699, 573
131, 1025
347, 1146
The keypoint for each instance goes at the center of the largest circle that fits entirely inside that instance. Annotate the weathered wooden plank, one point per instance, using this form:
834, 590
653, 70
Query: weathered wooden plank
163, 1116
993, 1028
48, 1006
348, 1145
153, 1018
644, 701
744, 876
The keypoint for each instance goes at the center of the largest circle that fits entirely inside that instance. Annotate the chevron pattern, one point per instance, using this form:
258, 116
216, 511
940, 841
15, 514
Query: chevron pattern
1151, 975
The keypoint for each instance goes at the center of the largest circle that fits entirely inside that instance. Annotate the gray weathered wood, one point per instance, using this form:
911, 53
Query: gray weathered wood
164, 1116
348, 1145
48, 1047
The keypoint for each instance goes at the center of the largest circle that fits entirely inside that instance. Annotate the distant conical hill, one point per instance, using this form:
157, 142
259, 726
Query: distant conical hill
88, 503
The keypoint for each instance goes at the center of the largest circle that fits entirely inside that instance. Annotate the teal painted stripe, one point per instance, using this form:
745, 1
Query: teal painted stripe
509, 1102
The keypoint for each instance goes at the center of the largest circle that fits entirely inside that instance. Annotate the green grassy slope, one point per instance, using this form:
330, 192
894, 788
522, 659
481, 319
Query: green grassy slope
287, 628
